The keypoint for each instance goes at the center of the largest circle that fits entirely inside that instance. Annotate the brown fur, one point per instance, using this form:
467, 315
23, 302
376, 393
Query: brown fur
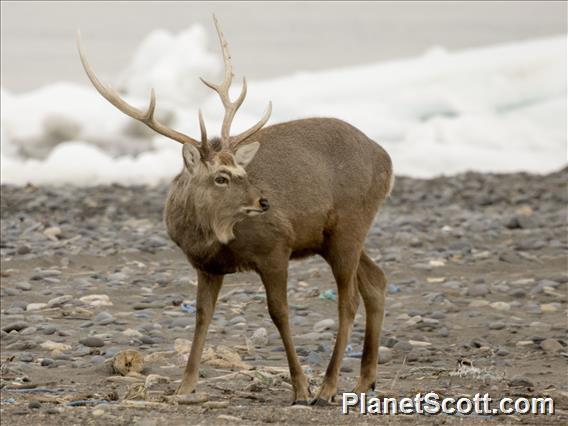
325, 181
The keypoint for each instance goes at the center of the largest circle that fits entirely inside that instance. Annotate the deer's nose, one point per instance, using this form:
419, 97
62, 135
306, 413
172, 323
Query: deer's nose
264, 204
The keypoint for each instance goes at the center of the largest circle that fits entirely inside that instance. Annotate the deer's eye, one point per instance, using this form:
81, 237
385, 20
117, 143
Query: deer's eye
221, 180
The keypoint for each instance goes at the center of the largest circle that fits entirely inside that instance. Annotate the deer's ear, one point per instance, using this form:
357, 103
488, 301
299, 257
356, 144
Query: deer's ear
191, 157
246, 153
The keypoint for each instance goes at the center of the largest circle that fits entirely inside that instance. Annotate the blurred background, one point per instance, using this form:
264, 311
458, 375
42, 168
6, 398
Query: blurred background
445, 86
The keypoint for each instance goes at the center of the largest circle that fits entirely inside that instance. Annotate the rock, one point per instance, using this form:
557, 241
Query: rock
154, 379
182, 322
419, 344
478, 290
191, 399
53, 233
551, 345
182, 346
92, 342
314, 359
26, 357
500, 306
260, 337
103, 318
496, 325
326, 324
215, 404
229, 419
96, 300
57, 302
130, 332
28, 331
24, 286
237, 320
23, 249
46, 362
54, 346
412, 356
35, 306
313, 336
520, 382
385, 355
402, 346
223, 357
34, 404
549, 307
15, 326
518, 293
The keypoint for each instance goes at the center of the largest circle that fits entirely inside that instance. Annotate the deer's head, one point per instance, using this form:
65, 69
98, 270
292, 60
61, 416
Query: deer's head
215, 169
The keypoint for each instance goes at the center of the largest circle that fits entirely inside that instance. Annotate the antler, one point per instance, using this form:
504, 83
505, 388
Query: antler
146, 117
232, 107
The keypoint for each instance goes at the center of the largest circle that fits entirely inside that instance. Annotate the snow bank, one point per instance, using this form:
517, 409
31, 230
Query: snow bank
499, 108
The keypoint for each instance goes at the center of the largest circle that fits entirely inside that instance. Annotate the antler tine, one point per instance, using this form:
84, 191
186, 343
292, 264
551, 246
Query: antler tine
223, 90
146, 117
237, 140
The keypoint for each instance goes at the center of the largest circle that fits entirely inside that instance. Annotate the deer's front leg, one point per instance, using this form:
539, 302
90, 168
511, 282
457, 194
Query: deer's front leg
275, 280
208, 287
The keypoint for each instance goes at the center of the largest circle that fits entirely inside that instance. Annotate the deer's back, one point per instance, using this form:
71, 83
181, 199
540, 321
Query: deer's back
317, 171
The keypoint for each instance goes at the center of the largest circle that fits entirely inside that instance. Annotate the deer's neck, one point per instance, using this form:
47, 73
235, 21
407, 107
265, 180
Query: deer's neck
198, 232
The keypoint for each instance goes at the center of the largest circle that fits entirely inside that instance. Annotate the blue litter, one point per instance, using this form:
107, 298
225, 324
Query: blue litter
328, 295
9, 401
188, 307
393, 288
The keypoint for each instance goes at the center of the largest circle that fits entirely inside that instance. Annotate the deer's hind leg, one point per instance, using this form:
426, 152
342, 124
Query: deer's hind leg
371, 282
342, 254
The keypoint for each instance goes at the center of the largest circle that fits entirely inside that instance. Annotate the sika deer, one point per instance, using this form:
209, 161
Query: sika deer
256, 200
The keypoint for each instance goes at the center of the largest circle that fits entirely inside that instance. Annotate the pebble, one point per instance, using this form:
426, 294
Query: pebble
402, 346
314, 359
260, 337
518, 293
478, 290
24, 286
45, 362
54, 346
34, 404
92, 342
500, 306
323, 325
549, 307
23, 249
35, 306
103, 318
15, 326
96, 300
497, 325
26, 357
551, 345
521, 382
385, 355
59, 301
182, 322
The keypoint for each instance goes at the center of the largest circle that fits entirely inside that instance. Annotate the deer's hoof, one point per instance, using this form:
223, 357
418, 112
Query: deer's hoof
185, 390
319, 402
300, 402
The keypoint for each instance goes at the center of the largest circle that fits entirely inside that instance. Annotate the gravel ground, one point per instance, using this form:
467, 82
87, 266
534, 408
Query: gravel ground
477, 267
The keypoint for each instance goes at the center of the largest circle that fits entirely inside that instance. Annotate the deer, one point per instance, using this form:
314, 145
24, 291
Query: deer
256, 200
